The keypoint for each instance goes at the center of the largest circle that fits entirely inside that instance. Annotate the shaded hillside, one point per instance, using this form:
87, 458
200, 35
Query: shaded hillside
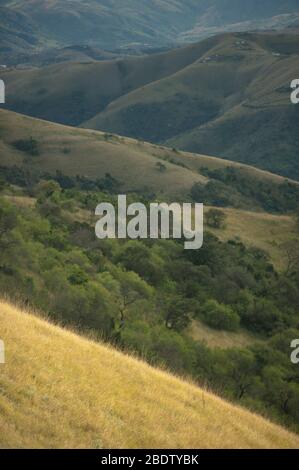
111, 24
88, 409
41, 147
18, 34
177, 98
143, 294
233, 102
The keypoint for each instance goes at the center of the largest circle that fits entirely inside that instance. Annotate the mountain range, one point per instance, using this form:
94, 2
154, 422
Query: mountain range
227, 96
35, 24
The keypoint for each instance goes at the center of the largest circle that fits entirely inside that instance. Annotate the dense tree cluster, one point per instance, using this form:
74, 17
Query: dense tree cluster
231, 187
144, 295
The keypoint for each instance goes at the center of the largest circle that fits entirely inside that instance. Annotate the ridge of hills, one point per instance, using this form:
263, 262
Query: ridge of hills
228, 95
136, 165
110, 24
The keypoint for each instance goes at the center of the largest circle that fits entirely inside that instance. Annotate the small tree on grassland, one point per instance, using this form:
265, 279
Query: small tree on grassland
215, 218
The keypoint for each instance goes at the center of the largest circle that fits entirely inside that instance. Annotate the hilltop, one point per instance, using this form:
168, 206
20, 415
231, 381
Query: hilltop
88, 408
177, 99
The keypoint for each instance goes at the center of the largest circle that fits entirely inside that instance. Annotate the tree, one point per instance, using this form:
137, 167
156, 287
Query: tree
297, 220
3, 183
136, 256
131, 289
29, 146
215, 218
8, 220
46, 189
291, 252
179, 313
220, 317
241, 370
161, 167
262, 316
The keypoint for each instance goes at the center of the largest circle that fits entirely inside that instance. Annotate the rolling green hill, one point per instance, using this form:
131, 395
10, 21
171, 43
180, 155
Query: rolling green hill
227, 96
233, 102
134, 164
92, 154
237, 293
154, 171
87, 409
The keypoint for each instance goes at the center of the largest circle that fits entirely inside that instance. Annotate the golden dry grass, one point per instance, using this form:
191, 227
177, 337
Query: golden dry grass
220, 338
21, 201
92, 154
259, 229
61, 390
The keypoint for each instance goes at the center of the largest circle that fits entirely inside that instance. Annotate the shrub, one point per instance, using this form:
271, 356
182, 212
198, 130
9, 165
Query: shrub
220, 317
29, 146
215, 218
161, 167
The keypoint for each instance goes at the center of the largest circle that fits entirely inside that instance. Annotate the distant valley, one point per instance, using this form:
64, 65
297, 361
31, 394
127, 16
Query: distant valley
28, 26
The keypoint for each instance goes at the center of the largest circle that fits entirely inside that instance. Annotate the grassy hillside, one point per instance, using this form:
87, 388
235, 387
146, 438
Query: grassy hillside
144, 294
176, 98
254, 229
244, 116
202, 333
61, 390
92, 154
85, 89
266, 231
18, 34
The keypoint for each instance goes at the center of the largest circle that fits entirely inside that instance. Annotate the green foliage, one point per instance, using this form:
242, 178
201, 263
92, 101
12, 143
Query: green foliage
263, 317
220, 316
215, 218
29, 146
231, 187
161, 167
144, 294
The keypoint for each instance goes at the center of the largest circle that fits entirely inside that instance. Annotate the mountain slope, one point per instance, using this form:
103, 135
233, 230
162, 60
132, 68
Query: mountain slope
61, 390
177, 98
111, 24
134, 164
92, 154
17, 34
233, 101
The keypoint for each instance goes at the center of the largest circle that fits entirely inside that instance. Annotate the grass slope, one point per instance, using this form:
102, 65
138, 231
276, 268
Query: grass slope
259, 229
92, 154
245, 115
177, 98
60, 390
221, 339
